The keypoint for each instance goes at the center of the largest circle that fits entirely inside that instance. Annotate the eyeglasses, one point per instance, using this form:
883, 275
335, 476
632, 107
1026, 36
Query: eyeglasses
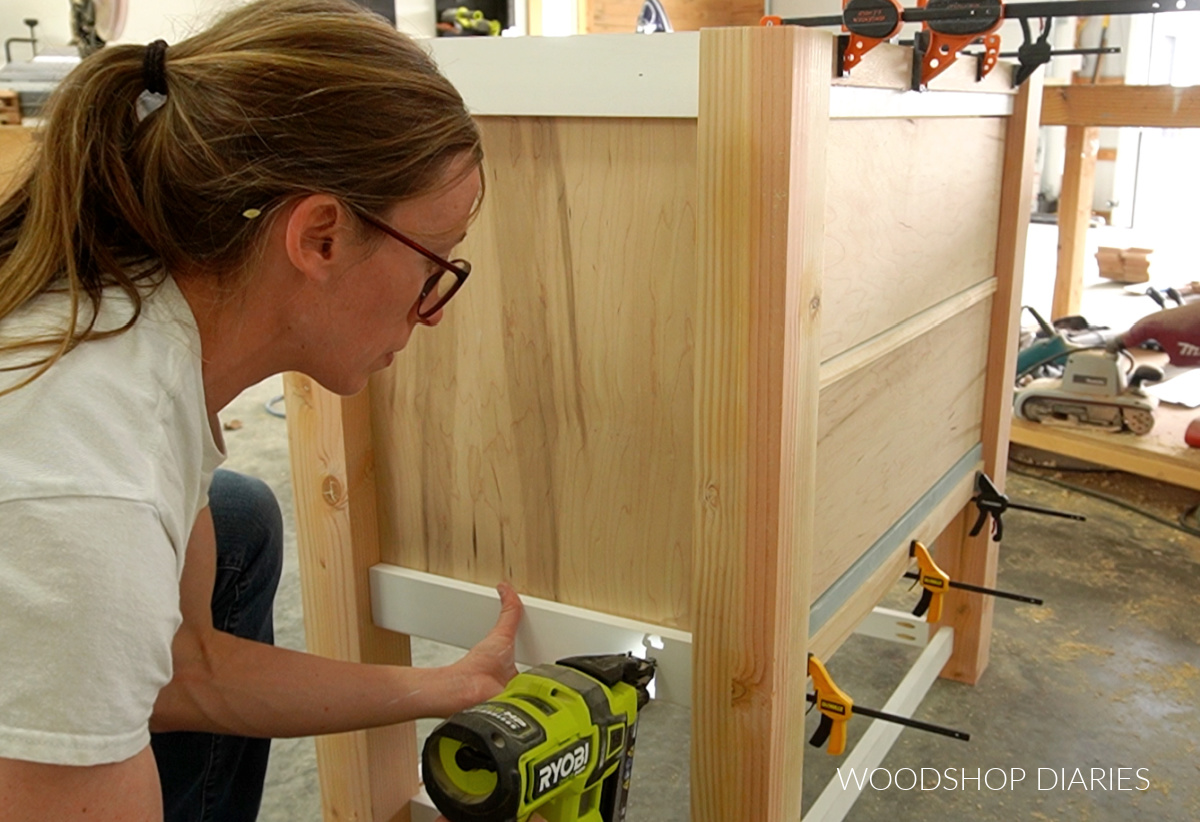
438, 289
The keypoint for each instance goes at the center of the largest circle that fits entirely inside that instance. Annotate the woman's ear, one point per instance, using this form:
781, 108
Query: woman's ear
316, 236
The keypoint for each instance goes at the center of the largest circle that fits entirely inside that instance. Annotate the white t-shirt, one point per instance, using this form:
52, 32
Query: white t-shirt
105, 462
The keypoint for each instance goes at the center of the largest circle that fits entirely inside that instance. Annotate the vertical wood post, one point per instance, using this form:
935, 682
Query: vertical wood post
368, 776
763, 124
1074, 215
974, 559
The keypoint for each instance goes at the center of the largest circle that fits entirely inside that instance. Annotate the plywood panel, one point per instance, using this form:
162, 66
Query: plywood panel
910, 219
544, 430
889, 431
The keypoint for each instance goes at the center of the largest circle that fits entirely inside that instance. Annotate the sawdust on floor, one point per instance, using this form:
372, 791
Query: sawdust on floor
1034, 613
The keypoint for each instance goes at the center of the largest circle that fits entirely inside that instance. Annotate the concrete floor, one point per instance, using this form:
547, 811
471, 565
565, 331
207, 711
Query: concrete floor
1106, 675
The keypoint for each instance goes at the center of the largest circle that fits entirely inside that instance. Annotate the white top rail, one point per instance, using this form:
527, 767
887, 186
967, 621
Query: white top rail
640, 75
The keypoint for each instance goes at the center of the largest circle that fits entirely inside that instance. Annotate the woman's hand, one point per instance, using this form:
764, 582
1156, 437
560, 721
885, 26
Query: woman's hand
488, 667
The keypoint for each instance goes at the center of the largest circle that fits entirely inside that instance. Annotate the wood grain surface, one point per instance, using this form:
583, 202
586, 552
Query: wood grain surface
368, 774
889, 431
543, 432
761, 164
910, 219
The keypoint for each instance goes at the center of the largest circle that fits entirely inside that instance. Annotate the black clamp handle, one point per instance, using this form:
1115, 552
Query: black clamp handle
989, 500
821, 735
923, 605
1032, 54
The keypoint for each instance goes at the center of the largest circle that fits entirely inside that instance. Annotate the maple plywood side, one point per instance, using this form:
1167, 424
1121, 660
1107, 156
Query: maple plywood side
910, 219
543, 431
889, 431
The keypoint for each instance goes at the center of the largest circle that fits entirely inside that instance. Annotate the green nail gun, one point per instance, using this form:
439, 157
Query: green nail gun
558, 741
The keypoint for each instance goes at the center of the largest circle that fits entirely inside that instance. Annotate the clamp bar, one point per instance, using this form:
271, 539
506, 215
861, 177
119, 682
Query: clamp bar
935, 581
906, 721
979, 589
1012, 11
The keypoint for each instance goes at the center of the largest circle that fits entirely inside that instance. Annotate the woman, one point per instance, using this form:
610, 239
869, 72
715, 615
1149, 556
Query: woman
279, 192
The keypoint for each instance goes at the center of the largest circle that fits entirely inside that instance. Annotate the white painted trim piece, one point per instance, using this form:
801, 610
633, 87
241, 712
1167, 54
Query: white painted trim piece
593, 75
422, 808
895, 626
848, 102
835, 802
460, 614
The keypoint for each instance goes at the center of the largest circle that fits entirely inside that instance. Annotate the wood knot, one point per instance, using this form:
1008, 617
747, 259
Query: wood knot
332, 490
814, 304
712, 497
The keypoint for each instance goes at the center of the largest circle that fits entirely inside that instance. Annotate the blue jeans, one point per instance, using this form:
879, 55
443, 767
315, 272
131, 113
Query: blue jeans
210, 777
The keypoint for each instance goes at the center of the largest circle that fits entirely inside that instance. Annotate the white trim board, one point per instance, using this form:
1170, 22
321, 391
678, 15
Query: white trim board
835, 801
640, 75
896, 626
592, 75
460, 614
853, 102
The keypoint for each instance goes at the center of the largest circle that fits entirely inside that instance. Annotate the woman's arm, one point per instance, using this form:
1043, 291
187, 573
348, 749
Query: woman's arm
224, 684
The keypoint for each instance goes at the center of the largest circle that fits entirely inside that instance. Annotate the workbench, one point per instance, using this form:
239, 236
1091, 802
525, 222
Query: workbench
738, 332
1162, 454
1083, 109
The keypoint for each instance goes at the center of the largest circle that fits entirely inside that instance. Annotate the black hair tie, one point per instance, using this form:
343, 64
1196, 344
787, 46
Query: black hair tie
154, 67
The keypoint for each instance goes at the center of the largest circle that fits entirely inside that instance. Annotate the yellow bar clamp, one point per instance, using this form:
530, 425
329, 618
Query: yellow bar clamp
835, 705
933, 579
